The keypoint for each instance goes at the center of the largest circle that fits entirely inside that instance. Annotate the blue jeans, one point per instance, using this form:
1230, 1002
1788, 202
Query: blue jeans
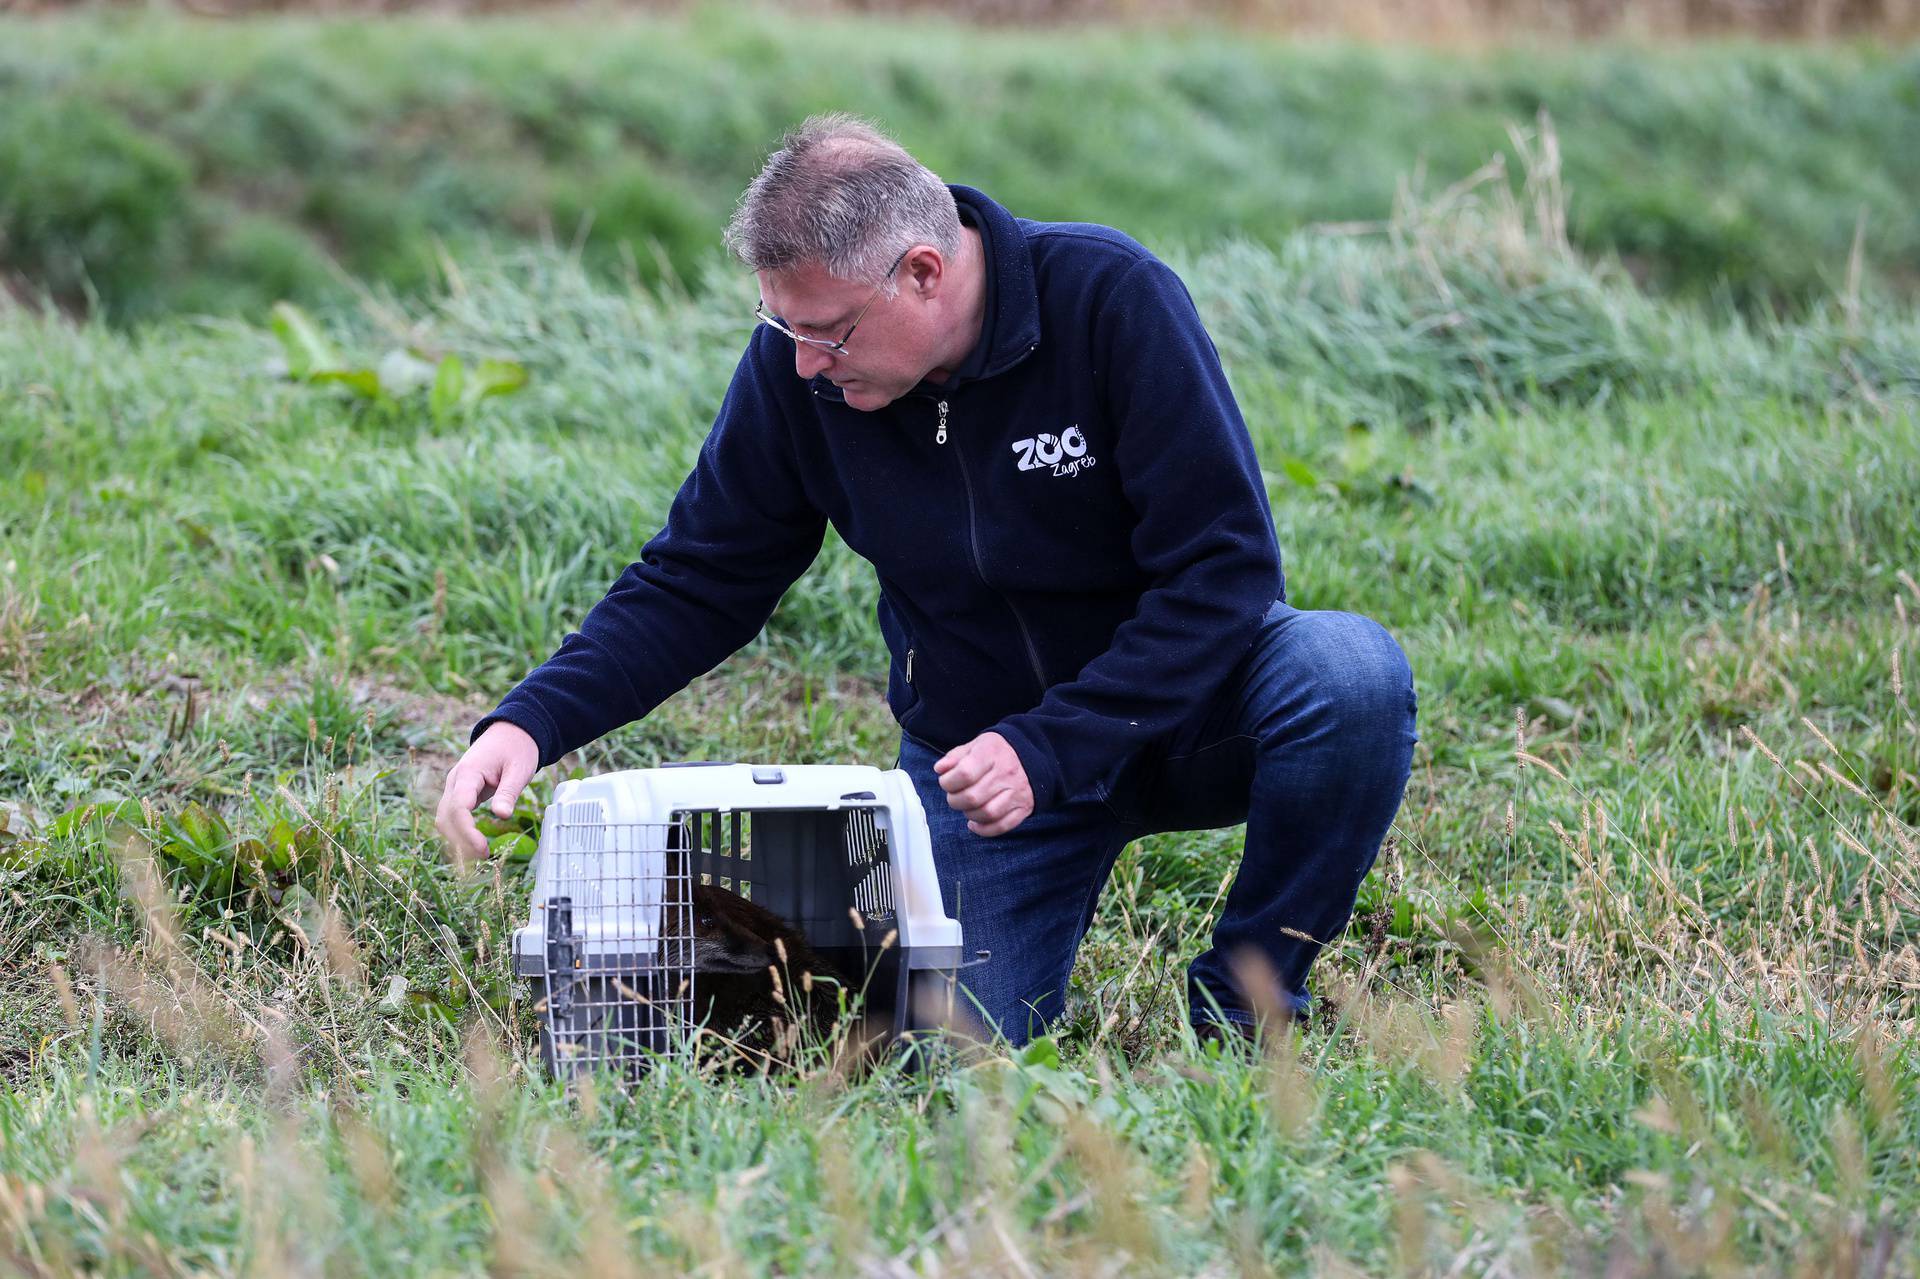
1309, 743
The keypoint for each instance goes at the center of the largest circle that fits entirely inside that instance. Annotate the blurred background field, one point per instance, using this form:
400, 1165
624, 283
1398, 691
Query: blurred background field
149, 164
1591, 369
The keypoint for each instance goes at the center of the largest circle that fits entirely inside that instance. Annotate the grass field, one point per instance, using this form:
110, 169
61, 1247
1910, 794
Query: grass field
1631, 991
162, 164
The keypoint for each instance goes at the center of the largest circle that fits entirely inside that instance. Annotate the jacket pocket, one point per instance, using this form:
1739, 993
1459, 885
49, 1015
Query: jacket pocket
902, 694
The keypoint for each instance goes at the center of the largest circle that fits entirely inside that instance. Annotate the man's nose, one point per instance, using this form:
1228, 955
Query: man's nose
809, 360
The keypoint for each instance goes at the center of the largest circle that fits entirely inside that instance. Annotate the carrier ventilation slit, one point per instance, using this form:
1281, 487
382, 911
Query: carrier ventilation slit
867, 847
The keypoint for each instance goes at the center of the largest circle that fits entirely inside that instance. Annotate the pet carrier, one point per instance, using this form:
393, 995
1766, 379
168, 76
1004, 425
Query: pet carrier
656, 888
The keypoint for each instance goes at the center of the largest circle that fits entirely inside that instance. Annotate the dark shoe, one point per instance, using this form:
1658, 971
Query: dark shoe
1227, 1034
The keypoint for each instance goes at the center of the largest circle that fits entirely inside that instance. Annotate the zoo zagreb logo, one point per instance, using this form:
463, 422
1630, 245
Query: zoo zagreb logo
1064, 454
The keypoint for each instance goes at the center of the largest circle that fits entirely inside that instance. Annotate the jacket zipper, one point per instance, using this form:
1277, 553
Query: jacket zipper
979, 562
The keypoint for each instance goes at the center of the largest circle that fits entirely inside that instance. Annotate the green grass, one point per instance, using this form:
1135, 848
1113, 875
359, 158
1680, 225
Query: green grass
164, 164
1664, 1012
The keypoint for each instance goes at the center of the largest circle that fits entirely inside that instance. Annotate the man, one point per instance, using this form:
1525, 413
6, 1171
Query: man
1026, 430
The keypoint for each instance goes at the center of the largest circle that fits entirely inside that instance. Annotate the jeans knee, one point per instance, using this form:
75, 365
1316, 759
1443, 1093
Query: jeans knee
1355, 678
1377, 691
1391, 672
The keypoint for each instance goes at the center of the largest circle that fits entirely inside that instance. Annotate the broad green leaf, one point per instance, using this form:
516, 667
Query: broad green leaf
308, 842
1041, 1052
364, 383
1299, 472
433, 1004
513, 846
449, 380
307, 349
1402, 925
104, 812
496, 377
280, 850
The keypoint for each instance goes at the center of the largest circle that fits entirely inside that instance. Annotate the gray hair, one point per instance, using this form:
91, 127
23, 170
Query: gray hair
842, 195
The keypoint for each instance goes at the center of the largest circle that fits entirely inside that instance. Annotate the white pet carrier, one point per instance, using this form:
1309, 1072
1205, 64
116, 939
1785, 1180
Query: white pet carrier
840, 853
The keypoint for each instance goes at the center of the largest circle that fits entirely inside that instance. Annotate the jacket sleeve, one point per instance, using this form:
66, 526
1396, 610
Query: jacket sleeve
740, 531
1204, 535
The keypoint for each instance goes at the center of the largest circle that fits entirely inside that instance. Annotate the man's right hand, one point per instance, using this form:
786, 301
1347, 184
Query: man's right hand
498, 766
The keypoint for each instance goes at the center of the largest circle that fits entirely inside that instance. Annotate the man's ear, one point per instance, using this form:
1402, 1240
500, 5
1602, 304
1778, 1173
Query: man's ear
926, 270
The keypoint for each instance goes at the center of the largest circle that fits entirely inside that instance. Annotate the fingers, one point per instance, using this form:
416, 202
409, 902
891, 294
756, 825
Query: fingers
962, 769
960, 766
982, 794
498, 766
1017, 812
995, 808
976, 798
984, 780
455, 818
514, 775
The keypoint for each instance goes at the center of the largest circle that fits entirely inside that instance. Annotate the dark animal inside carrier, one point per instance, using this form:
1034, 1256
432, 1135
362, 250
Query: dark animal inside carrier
643, 931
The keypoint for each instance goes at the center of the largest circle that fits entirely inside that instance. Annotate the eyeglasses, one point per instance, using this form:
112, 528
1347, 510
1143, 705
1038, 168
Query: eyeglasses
760, 309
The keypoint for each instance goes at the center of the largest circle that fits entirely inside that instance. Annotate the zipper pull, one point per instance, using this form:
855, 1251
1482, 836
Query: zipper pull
909, 666
940, 432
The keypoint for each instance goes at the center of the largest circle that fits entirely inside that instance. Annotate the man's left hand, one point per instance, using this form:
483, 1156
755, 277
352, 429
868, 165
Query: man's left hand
985, 780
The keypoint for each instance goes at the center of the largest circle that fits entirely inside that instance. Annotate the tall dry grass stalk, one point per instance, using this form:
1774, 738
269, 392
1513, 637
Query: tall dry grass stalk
159, 983
20, 638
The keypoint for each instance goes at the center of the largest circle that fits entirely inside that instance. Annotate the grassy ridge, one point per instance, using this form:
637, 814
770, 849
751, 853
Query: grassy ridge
212, 489
170, 165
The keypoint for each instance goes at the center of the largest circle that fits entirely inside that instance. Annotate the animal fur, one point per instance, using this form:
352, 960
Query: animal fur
757, 984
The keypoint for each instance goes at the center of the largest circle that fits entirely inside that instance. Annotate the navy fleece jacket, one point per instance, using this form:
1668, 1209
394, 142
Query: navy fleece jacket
1071, 534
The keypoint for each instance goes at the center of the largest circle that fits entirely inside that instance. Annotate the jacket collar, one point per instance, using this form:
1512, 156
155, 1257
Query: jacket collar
1011, 329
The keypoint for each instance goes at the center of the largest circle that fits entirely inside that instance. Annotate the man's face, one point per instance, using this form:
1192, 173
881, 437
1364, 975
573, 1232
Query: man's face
892, 348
